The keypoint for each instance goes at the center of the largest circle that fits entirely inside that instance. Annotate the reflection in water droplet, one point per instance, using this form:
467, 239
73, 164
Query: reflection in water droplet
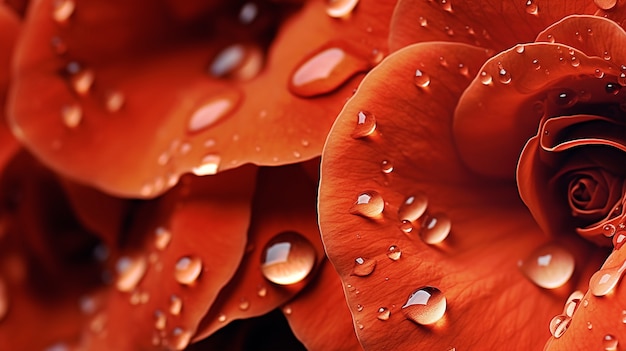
365, 125
604, 281
413, 207
341, 8
176, 305
188, 270
287, 259
237, 61
62, 10
209, 166
368, 204
550, 266
130, 271
421, 79
363, 267
359, 308
181, 338
559, 324
72, 115
610, 342
572, 303
435, 228
383, 313
425, 306
446, 5
162, 238
394, 253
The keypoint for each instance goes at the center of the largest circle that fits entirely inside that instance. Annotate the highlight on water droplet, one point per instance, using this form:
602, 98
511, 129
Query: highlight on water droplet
162, 238
341, 8
549, 266
288, 258
261, 291
209, 165
559, 324
363, 267
176, 305
394, 253
383, 314
180, 338
130, 272
609, 342
606, 279
365, 125
63, 10
435, 228
421, 79
368, 204
72, 115
188, 269
425, 306
413, 207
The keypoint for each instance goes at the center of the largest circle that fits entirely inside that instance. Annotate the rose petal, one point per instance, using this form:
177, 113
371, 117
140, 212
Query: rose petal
491, 305
318, 315
9, 28
145, 86
487, 23
284, 202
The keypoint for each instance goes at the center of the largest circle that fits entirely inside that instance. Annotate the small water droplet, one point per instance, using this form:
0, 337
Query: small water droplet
383, 313
550, 266
188, 270
114, 101
550, 38
536, 64
421, 79
262, 291
130, 271
435, 228
605, 4
287, 310
485, 78
504, 76
463, 70
446, 5
621, 79
624, 316
612, 88
386, 166
394, 252
160, 320
422, 21
406, 226
610, 342
82, 81
368, 204
59, 346
449, 31
176, 305
63, 10
598, 73
87, 304
604, 281
162, 238
589, 326
209, 165
359, 308
287, 259
237, 61
363, 267
341, 8
532, 8
181, 338
559, 325
425, 306
413, 207
72, 115
564, 98
365, 125
574, 61
244, 304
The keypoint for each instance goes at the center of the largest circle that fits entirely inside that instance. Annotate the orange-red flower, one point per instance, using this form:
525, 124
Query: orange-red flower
422, 175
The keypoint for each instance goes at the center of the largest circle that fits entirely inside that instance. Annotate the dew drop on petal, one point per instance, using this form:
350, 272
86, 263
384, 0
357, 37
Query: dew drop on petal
180, 338
114, 101
368, 204
435, 228
287, 259
413, 207
248, 12
406, 226
160, 320
394, 253
386, 166
564, 98
550, 266
188, 270
605, 4
485, 78
162, 238
363, 267
130, 272
359, 308
423, 21
425, 306
209, 165
383, 314
446, 5
421, 79
82, 81
72, 115
610, 342
605, 280
612, 88
559, 325
261, 291
176, 305
574, 61
341, 8
62, 10
504, 76
532, 8
365, 125
212, 111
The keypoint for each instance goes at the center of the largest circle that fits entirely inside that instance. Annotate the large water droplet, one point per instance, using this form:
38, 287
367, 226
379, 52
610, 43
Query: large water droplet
62, 10
287, 259
368, 204
421, 79
425, 306
181, 338
413, 207
363, 267
549, 266
341, 8
176, 305
212, 111
72, 115
130, 272
365, 125
326, 71
188, 270
435, 228
162, 238
610, 342
604, 281
559, 324
209, 165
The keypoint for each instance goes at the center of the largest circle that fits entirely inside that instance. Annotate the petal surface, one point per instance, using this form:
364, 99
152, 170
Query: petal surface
9, 29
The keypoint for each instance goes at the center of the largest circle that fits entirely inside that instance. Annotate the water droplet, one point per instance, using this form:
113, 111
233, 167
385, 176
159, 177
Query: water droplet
114, 101
463, 70
406, 226
237, 61
394, 253
550, 266
213, 111
160, 320
435, 229
188, 270
605, 4
485, 78
610, 342
612, 88
62, 10
413, 207
604, 281
550, 38
359, 308
449, 31
287, 259
244, 304
383, 313
176, 305
58, 46
621, 79
421, 79
341, 8
425, 306
181, 338
59, 346
368, 204
598, 73
325, 71
72, 115
446, 5
386, 166
559, 324
262, 291
589, 325
287, 310
363, 267
365, 125
564, 98
532, 8
130, 272
574, 61
504, 76
82, 81
162, 238
422, 21
209, 165
536, 64
624, 316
